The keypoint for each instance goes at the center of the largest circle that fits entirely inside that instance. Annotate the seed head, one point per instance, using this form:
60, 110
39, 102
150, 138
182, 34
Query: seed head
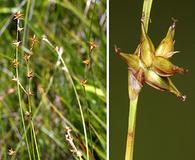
26, 57
15, 63
69, 139
87, 61
16, 43
30, 74
11, 152
92, 45
34, 40
18, 16
151, 66
83, 82
20, 29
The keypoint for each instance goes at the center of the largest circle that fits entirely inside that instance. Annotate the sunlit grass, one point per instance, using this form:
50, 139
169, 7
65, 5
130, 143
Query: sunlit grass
52, 104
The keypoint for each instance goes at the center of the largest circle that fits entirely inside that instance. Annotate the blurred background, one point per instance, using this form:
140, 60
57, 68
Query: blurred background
76, 26
165, 125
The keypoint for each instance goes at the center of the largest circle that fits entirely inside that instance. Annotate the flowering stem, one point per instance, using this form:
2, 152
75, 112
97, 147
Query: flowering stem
19, 91
146, 13
80, 107
133, 93
131, 129
32, 128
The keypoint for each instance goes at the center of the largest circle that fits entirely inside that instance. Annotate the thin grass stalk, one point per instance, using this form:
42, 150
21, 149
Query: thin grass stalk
90, 51
147, 5
36, 111
25, 23
90, 69
2, 30
146, 13
18, 90
35, 140
47, 90
131, 129
32, 130
80, 107
29, 83
88, 118
75, 91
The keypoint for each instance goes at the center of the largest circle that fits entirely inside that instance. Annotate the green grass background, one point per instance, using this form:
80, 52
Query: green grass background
65, 25
165, 126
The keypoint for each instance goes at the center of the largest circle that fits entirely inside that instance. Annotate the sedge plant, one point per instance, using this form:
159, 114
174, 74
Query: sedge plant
47, 93
31, 141
151, 66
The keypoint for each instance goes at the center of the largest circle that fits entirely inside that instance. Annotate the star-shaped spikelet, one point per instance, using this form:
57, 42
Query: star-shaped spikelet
34, 39
30, 74
14, 63
18, 16
153, 66
87, 61
16, 43
83, 82
92, 45
11, 152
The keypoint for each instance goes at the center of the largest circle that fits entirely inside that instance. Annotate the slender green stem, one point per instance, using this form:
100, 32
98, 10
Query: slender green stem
35, 140
146, 13
36, 111
32, 128
147, 5
131, 129
25, 23
76, 94
87, 70
80, 107
19, 92
32, 132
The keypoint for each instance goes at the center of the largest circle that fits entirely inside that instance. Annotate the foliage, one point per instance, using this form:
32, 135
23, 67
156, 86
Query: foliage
54, 105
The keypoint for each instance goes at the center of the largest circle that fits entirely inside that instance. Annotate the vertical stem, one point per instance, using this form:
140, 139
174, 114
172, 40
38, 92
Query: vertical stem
131, 129
77, 97
147, 5
146, 13
32, 128
134, 89
29, 84
19, 92
80, 107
